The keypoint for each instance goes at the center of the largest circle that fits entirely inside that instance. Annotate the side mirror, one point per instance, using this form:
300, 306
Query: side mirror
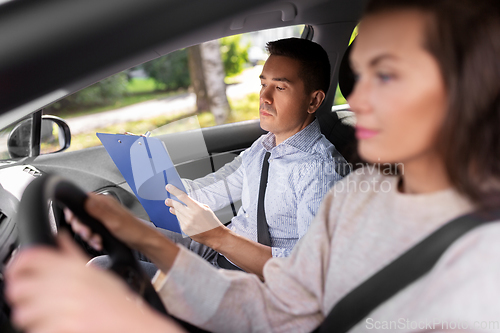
55, 137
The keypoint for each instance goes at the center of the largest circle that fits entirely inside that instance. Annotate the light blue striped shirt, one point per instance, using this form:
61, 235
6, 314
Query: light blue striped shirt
301, 171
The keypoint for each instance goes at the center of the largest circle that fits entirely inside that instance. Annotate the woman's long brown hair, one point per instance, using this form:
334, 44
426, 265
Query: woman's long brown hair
464, 37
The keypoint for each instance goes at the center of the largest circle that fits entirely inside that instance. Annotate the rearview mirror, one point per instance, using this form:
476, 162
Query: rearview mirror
55, 136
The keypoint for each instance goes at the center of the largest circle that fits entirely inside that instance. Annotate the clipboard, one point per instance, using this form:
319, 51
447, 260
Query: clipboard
147, 167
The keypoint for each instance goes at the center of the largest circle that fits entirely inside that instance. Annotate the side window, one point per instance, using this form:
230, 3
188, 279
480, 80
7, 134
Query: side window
218, 81
339, 98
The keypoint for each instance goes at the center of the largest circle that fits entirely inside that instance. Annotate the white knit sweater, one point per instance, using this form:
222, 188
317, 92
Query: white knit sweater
363, 224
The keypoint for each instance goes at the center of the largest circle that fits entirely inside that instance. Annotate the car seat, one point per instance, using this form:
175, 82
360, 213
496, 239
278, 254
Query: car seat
338, 124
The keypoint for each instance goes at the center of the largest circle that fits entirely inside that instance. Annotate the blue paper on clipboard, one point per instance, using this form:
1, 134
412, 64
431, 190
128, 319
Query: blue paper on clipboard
146, 166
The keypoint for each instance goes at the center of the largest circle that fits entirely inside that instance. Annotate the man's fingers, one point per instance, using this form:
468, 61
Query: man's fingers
182, 196
175, 204
178, 209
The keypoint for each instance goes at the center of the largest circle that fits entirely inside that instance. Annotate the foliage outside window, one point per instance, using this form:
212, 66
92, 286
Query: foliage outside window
164, 79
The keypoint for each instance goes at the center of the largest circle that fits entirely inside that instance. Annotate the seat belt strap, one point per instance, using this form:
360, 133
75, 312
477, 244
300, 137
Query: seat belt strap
394, 277
263, 236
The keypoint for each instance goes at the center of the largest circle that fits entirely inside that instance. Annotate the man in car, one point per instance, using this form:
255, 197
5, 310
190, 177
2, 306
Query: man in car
294, 80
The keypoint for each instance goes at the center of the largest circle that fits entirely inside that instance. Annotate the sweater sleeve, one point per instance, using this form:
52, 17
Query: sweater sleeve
233, 301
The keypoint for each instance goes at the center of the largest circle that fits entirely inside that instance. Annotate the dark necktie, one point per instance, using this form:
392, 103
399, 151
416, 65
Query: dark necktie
262, 227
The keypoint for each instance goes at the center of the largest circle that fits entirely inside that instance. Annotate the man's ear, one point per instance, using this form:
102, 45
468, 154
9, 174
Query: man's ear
317, 98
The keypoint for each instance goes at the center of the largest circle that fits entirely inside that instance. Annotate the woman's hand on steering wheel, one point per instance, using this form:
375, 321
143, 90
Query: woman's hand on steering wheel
114, 217
52, 290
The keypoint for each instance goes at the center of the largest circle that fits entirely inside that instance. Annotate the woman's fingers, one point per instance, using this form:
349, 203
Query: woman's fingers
94, 240
119, 220
77, 226
69, 247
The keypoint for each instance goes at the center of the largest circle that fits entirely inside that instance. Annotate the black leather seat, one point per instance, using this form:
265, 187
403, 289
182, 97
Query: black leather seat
338, 124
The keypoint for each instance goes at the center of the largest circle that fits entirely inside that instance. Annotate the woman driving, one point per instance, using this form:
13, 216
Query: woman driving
427, 103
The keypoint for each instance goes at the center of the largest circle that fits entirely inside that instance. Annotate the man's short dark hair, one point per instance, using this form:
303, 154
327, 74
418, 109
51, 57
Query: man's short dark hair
315, 71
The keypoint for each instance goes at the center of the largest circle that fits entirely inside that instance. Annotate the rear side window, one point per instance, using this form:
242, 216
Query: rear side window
339, 97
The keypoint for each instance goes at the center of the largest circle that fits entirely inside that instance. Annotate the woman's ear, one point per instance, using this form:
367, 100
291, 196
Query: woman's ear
317, 98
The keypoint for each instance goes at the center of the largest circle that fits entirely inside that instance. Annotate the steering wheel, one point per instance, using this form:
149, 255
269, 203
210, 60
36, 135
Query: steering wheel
34, 229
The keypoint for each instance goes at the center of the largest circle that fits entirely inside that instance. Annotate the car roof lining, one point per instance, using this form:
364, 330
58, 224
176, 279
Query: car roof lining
36, 75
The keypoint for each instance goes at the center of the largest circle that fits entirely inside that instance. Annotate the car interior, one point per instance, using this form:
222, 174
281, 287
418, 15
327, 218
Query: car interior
54, 48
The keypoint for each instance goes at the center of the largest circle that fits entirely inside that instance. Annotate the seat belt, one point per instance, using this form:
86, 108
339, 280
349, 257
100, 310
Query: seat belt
407, 268
263, 236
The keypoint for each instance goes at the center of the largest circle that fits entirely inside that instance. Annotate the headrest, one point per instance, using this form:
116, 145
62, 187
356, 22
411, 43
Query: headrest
338, 126
346, 75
